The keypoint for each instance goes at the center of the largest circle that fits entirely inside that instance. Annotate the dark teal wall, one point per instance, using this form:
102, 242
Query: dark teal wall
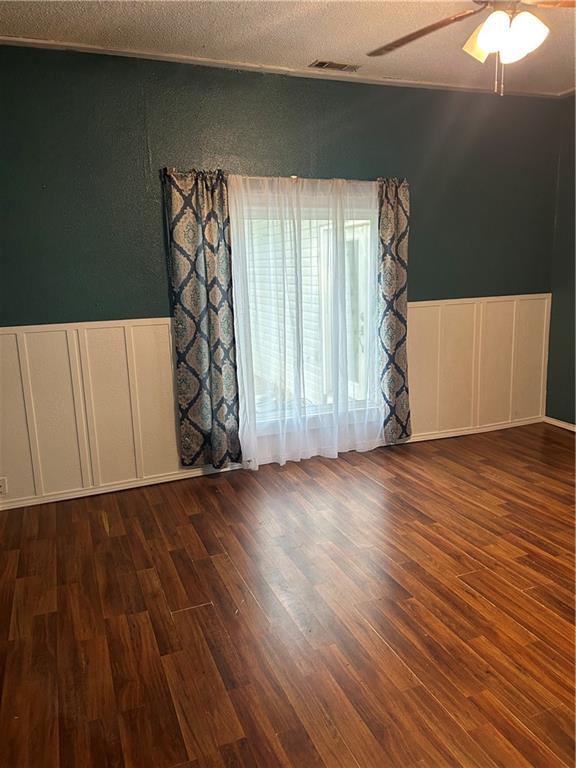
560, 399
84, 136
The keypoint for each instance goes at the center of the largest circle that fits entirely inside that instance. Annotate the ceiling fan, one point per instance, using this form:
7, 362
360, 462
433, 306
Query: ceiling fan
509, 32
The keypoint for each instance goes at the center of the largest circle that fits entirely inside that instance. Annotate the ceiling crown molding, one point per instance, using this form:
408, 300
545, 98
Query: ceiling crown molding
312, 74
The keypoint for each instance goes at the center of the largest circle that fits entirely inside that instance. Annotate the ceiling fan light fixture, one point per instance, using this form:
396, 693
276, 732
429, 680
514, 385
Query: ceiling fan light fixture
494, 32
527, 32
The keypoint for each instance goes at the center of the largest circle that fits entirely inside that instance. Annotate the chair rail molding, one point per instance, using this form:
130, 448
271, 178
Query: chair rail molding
89, 407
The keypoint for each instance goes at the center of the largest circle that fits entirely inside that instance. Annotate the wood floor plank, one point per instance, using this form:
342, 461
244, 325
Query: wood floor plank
94, 744
427, 659
536, 618
161, 617
408, 607
85, 681
151, 736
266, 743
29, 709
518, 734
205, 712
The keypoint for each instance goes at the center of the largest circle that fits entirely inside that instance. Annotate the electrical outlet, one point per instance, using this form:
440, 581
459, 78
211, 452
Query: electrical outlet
3, 486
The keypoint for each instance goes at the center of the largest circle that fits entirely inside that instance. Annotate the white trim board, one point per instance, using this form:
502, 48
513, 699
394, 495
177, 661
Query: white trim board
562, 424
9, 329
78, 493
474, 430
305, 72
89, 407
205, 471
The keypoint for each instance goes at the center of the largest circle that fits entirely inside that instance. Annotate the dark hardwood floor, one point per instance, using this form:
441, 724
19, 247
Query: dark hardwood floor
411, 607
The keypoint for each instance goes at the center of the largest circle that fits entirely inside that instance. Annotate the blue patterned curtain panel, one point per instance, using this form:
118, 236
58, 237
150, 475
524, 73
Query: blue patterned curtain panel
203, 320
393, 223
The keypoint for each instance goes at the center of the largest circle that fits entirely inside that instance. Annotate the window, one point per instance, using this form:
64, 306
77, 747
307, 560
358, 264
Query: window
305, 280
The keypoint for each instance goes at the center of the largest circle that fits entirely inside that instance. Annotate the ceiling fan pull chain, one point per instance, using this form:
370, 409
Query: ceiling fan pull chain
499, 76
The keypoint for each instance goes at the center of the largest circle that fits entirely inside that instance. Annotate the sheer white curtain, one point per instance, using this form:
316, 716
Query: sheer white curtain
305, 283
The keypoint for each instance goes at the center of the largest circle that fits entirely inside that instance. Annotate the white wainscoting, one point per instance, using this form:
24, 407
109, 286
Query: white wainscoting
477, 364
89, 407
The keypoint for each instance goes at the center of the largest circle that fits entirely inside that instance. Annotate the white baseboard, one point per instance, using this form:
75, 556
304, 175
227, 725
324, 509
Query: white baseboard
473, 430
562, 424
78, 493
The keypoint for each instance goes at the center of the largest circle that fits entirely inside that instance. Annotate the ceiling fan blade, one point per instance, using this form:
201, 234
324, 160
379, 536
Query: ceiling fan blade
401, 41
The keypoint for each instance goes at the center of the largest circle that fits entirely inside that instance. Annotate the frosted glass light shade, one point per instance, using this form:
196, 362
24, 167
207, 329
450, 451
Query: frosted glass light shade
473, 49
494, 32
526, 33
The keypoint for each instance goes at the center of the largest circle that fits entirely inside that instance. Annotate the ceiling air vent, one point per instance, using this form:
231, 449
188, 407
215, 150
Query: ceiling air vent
334, 65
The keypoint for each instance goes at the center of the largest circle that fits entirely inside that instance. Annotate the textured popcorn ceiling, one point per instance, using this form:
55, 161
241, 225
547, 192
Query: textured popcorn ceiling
287, 36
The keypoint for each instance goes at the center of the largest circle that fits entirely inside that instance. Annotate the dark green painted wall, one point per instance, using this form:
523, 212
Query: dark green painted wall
560, 399
84, 136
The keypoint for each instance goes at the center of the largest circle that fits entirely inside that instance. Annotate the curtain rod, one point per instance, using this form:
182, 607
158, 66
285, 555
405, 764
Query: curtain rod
399, 179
